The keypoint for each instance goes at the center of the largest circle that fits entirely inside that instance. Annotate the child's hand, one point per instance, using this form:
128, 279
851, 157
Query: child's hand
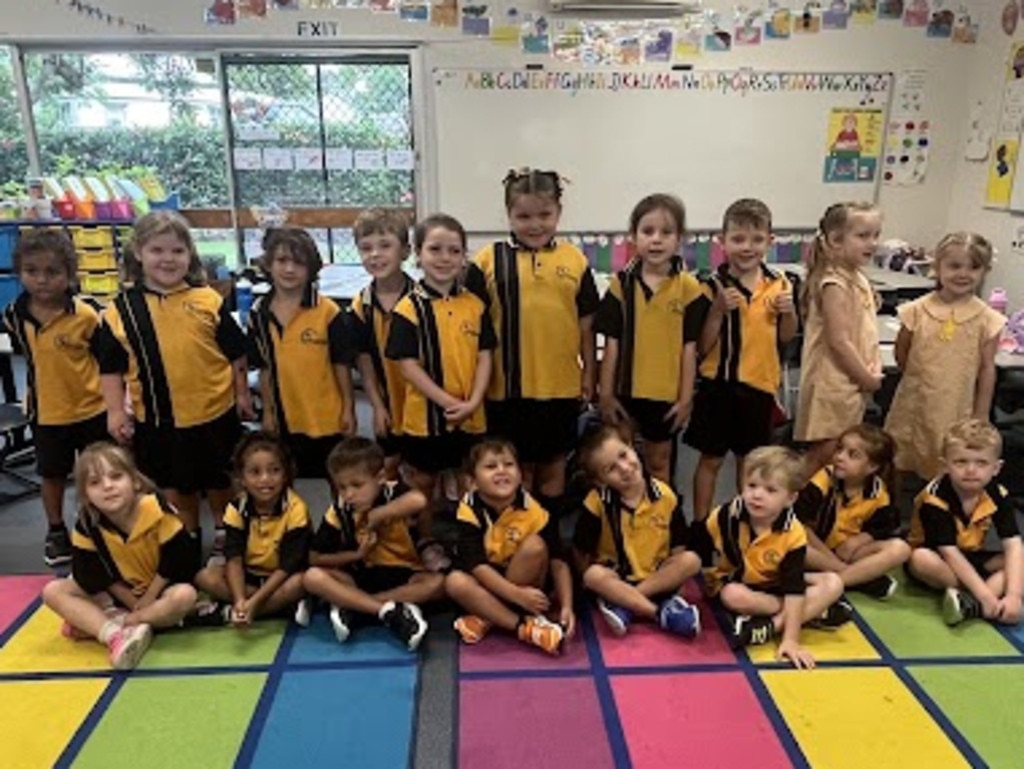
612, 411
587, 386
874, 382
1009, 609
533, 600
679, 414
366, 543
243, 404
459, 412
269, 421
782, 304
796, 654
240, 613
381, 422
990, 605
728, 299
567, 619
120, 425
348, 422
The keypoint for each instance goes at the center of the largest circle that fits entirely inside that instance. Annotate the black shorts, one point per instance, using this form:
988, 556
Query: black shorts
57, 445
541, 430
977, 559
729, 416
188, 459
310, 454
437, 452
649, 418
380, 579
255, 580
390, 444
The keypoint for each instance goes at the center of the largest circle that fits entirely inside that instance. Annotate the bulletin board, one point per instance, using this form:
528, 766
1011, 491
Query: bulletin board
799, 141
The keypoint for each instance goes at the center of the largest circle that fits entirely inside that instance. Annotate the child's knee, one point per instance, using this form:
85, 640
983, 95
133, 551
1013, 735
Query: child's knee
732, 595
533, 546
899, 549
434, 585
595, 574
831, 585
181, 597
922, 560
57, 589
710, 463
689, 563
209, 575
457, 583
314, 579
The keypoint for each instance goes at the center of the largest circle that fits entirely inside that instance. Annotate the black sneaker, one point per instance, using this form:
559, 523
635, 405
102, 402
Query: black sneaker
208, 614
57, 550
958, 605
834, 617
881, 588
751, 631
406, 621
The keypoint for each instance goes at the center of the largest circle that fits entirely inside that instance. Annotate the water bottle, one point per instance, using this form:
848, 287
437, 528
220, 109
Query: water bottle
243, 300
998, 300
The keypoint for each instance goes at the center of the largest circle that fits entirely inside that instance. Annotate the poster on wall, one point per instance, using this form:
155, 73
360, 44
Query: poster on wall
907, 147
854, 145
1001, 167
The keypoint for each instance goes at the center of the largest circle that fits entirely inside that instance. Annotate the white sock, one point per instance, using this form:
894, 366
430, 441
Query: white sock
387, 607
109, 628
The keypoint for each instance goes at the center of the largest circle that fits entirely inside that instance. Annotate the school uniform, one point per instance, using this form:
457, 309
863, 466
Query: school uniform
445, 333
175, 352
536, 300
372, 325
102, 555
299, 359
740, 375
63, 397
392, 561
651, 326
271, 542
834, 516
633, 542
939, 520
770, 562
489, 536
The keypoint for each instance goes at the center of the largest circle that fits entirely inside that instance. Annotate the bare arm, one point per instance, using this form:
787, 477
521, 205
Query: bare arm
235, 575
968, 576
712, 328
1013, 563
409, 504
243, 398
270, 421
371, 386
788, 326
481, 377
904, 339
792, 619
986, 385
418, 378
838, 336
343, 374
267, 589
495, 583
119, 423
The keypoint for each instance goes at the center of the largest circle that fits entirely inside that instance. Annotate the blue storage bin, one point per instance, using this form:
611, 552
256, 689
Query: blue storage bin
8, 238
10, 287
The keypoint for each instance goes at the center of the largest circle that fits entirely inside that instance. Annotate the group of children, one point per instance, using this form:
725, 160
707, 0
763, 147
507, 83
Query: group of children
478, 371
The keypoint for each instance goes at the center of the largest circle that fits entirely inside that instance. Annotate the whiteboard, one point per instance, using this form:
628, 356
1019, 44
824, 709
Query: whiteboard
617, 135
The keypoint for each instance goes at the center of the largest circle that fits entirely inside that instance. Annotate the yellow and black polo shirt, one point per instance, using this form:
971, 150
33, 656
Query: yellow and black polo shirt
824, 506
939, 519
634, 542
342, 528
651, 325
536, 299
747, 350
445, 334
372, 325
268, 543
62, 369
175, 351
772, 560
489, 536
102, 555
300, 359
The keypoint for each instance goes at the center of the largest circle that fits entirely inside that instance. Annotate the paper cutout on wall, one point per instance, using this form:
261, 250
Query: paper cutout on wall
907, 148
808, 22
413, 11
1010, 17
505, 28
383, 6
941, 22
916, 13
689, 39
285, 5
716, 39
220, 12
534, 34
1000, 172
251, 9
836, 15
908, 99
965, 30
863, 11
657, 43
749, 26
779, 24
853, 145
890, 10
444, 13
475, 20
976, 146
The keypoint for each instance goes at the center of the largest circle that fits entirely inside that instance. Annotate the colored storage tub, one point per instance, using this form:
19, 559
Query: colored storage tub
92, 237
8, 240
97, 260
10, 287
99, 282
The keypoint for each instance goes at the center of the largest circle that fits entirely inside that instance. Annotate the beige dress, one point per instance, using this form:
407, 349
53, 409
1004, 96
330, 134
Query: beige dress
938, 385
829, 400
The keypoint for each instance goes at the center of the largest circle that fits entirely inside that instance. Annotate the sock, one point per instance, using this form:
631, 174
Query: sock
107, 631
385, 610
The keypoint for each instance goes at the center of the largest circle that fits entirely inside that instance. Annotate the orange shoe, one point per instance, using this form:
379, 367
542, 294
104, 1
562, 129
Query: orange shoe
543, 633
472, 628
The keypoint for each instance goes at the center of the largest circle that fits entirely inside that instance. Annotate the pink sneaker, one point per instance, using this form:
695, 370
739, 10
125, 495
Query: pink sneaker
127, 645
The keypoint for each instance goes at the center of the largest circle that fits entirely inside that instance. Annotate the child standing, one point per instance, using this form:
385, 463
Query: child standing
182, 355
304, 352
946, 349
840, 363
508, 556
750, 312
131, 564
268, 533
542, 299
852, 527
952, 519
56, 333
382, 238
761, 548
632, 536
651, 331
364, 557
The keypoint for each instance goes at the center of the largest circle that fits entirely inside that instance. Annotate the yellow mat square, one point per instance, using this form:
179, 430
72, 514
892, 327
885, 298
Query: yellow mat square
846, 643
39, 718
859, 717
38, 647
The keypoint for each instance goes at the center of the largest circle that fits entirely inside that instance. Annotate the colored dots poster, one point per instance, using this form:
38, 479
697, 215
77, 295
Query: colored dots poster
907, 147
854, 145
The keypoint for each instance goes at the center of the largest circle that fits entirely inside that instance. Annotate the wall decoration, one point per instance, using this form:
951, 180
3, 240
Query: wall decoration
978, 138
251, 9
916, 13
1001, 171
965, 30
863, 11
1010, 17
689, 39
534, 37
907, 148
505, 28
779, 24
807, 22
836, 15
657, 43
412, 10
444, 13
749, 26
941, 22
220, 12
853, 145
891, 10
475, 20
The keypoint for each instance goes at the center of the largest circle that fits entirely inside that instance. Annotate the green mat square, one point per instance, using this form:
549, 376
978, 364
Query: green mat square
216, 647
984, 703
911, 625
174, 721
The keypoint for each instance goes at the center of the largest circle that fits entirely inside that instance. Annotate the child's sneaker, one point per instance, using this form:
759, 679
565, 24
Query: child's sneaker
57, 548
542, 633
405, 621
471, 628
433, 556
678, 616
127, 645
341, 621
302, 613
881, 587
834, 617
751, 631
617, 617
208, 614
958, 605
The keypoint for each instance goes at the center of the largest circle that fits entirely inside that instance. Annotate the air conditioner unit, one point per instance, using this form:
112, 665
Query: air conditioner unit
626, 8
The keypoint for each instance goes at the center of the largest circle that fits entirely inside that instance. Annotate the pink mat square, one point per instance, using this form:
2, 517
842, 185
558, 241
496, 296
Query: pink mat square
502, 651
16, 593
532, 722
695, 719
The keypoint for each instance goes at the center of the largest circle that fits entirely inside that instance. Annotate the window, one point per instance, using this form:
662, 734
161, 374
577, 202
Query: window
13, 155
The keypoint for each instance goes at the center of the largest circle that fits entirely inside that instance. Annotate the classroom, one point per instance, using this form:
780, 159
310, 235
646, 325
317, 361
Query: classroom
220, 168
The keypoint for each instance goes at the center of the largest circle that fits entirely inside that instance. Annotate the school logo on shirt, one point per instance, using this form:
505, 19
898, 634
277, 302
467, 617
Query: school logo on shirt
677, 306
65, 343
513, 535
310, 336
771, 557
562, 271
659, 521
469, 329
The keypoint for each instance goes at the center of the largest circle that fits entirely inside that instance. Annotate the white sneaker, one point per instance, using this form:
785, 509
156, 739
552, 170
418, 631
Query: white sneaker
341, 621
127, 645
302, 613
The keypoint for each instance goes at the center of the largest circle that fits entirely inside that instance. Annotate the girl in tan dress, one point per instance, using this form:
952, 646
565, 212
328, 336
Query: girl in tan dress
946, 349
840, 364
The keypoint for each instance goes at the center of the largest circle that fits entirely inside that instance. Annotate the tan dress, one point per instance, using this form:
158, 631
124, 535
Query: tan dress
829, 400
938, 385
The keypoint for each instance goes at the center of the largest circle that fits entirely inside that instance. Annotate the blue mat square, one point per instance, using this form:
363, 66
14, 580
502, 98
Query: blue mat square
1014, 633
373, 643
340, 718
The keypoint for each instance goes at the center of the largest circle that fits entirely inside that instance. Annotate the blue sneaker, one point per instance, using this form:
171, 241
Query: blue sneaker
618, 618
678, 616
